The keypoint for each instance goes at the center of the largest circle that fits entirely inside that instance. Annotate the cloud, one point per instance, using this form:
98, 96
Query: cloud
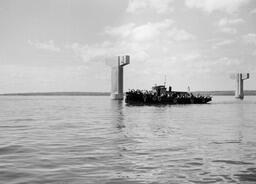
160, 6
229, 6
48, 45
229, 30
145, 32
180, 35
222, 43
150, 31
250, 38
91, 53
226, 25
253, 11
223, 64
146, 43
107, 51
230, 22
192, 56
122, 31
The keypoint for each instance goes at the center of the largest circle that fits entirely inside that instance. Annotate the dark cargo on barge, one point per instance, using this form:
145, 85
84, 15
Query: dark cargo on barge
159, 95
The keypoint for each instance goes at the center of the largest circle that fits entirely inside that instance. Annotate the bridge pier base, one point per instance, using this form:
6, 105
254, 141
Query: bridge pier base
117, 78
239, 78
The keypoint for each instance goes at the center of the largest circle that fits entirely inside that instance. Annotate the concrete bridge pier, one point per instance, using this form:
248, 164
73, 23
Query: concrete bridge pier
117, 75
239, 78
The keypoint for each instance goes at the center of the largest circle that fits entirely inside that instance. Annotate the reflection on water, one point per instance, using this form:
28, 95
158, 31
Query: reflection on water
117, 114
97, 140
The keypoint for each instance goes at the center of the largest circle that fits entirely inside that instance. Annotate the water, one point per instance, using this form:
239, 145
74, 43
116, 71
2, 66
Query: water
96, 140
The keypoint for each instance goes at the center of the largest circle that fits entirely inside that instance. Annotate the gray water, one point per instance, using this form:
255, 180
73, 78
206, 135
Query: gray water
96, 140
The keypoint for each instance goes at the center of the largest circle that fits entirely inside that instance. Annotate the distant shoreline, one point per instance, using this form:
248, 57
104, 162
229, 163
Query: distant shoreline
225, 93
58, 94
213, 93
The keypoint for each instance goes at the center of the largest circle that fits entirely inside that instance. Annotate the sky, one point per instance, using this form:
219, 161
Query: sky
63, 45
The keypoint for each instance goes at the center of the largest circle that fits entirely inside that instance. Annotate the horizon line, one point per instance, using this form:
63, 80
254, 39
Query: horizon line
81, 93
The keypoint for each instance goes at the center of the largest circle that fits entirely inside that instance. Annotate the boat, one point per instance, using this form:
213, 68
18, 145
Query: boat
160, 95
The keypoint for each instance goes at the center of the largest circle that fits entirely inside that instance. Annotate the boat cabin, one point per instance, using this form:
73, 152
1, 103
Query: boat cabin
159, 90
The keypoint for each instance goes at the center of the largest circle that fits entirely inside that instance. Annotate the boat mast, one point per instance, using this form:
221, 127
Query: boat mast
164, 80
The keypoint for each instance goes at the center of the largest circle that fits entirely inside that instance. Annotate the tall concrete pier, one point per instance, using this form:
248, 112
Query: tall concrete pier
117, 75
239, 79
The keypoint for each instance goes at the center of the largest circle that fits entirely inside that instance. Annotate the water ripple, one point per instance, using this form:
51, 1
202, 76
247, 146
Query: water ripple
95, 140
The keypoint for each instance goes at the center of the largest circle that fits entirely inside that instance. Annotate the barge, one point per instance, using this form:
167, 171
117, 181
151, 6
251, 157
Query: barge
160, 95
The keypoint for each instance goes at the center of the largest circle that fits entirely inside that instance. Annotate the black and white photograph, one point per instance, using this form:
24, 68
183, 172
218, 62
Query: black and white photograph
127, 91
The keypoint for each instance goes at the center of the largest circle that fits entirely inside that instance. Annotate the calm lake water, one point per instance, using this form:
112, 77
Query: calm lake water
96, 140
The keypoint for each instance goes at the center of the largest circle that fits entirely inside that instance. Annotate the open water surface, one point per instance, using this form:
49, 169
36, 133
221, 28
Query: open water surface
96, 140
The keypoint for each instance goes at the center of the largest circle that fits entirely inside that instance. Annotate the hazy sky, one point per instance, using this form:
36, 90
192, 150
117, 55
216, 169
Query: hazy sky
63, 45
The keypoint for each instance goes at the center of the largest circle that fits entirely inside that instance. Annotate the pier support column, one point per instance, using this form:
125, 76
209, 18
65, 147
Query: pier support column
239, 79
117, 81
